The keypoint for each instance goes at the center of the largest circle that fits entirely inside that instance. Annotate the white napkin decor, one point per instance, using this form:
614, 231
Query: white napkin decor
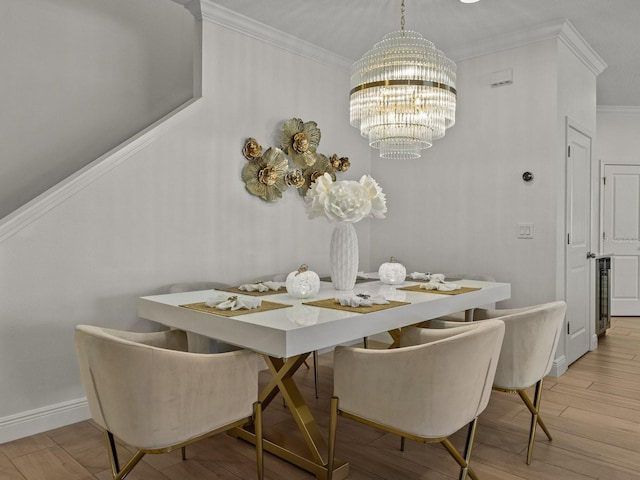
362, 300
367, 276
437, 283
222, 302
420, 276
261, 286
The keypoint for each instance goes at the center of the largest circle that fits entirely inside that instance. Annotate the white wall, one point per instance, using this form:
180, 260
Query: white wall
78, 78
618, 139
456, 209
175, 209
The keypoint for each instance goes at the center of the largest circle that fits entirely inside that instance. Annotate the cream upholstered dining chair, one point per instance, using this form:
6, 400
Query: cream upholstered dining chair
425, 391
144, 389
530, 341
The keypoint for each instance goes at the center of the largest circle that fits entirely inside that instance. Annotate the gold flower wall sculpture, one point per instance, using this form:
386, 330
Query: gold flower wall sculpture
252, 149
322, 166
268, 174
300, 141
265, 176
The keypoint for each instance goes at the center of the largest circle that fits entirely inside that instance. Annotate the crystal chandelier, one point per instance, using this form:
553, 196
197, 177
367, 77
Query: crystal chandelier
403, 94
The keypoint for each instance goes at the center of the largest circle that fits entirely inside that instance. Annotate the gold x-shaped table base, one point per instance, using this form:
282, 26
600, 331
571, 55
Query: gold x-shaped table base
316, 458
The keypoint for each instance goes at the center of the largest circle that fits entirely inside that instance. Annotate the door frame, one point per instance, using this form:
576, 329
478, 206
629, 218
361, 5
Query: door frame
595, 194
560, 363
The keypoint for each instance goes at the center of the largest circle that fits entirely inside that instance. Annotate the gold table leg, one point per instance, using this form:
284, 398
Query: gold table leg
282, 371
396, 334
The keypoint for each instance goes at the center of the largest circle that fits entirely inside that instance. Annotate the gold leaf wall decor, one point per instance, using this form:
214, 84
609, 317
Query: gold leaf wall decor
300, 141
267, 175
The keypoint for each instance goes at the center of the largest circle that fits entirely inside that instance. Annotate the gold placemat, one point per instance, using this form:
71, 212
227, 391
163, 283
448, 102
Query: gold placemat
203, 307
237, 290
332, 303
416, 288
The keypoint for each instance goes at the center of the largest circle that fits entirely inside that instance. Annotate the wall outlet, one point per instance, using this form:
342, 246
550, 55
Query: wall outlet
525, 230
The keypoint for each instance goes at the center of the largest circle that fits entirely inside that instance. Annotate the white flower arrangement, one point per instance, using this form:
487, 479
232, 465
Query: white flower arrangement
345, 200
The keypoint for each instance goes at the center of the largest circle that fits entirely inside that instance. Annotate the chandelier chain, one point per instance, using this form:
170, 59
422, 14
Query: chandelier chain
402, 17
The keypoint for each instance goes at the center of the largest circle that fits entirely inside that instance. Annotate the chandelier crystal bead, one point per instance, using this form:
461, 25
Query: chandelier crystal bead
403, 94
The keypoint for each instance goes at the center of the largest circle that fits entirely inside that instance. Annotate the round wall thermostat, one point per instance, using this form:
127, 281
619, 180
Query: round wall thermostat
527, 176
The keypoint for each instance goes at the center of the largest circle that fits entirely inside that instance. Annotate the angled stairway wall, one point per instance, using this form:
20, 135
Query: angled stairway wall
166, 206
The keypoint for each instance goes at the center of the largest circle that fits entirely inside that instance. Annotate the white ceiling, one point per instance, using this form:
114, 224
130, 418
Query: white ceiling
351, 27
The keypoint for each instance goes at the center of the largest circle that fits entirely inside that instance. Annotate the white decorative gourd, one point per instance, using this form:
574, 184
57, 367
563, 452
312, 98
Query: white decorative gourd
303, 282
392, 272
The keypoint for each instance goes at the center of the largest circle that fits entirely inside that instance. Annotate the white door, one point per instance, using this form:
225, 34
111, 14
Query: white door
578, 265
621, 236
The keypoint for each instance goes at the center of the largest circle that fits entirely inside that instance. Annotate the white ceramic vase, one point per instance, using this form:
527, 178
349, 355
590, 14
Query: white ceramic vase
343, 256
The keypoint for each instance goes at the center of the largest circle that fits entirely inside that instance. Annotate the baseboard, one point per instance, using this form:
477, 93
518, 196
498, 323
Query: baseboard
559, 366
43, 419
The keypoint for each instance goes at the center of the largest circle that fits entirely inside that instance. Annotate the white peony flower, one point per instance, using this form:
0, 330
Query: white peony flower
378, 199
345, 200
317, 195
348, 201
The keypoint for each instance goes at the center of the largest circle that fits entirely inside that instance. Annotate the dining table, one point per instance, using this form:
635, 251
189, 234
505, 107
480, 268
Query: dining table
286, 329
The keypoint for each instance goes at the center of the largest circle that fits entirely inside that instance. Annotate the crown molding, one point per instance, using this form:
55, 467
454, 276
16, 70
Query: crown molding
508, 41
559, 29
581, 49
207, 10
620, 110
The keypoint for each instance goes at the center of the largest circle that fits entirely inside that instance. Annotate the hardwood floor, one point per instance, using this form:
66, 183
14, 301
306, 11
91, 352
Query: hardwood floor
592, 411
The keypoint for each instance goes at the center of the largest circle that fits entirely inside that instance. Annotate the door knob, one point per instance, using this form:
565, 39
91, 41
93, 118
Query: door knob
591, 255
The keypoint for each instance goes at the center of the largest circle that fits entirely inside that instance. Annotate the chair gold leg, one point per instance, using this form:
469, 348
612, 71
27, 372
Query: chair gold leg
471, 435
315, 371
113, 453
534, 409
333, 424
365, 342
184, 453
465, 468
116, 472
129, 466
257, 413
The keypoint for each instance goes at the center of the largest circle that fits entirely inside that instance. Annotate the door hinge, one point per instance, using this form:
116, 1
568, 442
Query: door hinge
604, 180
604, 236
568, 239
568, 329
569, 151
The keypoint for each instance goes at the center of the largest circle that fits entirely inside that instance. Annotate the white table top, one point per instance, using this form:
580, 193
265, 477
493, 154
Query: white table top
302, 328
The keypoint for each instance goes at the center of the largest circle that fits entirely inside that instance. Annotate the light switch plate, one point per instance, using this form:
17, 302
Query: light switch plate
525, 230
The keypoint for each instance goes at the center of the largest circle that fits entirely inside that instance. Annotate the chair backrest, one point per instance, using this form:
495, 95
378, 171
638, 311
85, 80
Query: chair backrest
152, 397
530, 341
431, 390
